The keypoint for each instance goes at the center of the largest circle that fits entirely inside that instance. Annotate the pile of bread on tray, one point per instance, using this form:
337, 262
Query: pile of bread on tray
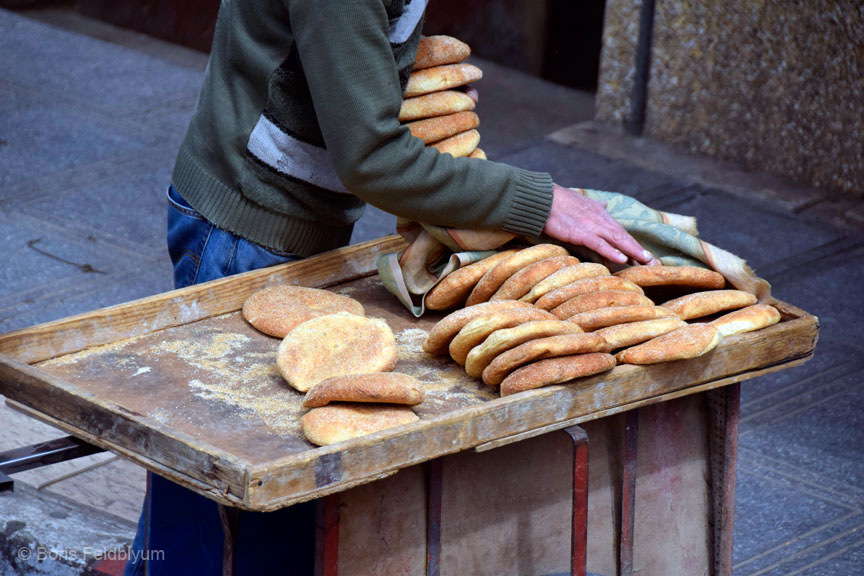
538, 316
434, 107
332, 352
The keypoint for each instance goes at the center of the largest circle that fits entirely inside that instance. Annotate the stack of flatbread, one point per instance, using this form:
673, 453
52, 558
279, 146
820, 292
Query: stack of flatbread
538, 316
341, 360
434, 108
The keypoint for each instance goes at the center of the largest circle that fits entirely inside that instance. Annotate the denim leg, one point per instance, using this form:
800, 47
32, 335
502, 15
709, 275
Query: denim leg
183, 526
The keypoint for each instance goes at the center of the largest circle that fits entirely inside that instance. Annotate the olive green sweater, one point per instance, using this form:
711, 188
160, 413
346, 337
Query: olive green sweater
296, 128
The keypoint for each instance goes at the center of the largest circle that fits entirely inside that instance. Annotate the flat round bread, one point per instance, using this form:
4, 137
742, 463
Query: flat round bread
563, 277
377, 387
434, 129
494, 278
702, 304
446, 329
624, 335
476, 331
441, 78
522, 281
340, 422
556, 371
502, 340
689, 341
478, 153
539, 349
459, 145
439, 50
747, 319
435, 104
455, 287
603, 317
595, 300
278, 309
690, 276
558, 296
336, 345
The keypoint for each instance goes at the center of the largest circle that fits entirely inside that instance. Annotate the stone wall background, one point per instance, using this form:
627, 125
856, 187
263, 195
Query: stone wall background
774, 85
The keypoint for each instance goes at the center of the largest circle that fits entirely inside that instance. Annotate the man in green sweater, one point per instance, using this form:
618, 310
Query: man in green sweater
295, 129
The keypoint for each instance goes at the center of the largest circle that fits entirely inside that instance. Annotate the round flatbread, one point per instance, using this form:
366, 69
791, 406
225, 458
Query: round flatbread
441, 78
747, 319
551, 347
336, 345
455, 287
563, 277
522, 281
494, 278
434, 129
276, 310
476, 331
689, 341
440, 50
446, 329
624, 335
435, 104
502, 340
558, 296
595, 300
689, 276
603, 317
556, 371
378, 387
706, 303
339, 422
459, 145
478, 153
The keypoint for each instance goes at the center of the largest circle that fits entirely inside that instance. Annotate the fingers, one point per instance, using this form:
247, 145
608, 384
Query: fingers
619, 238
472, 93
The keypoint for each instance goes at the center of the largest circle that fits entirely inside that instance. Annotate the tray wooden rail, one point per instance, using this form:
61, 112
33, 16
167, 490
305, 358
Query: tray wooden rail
180, 384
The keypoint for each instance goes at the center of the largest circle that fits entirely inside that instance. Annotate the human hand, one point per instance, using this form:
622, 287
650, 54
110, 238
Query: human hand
579, 220
472, 93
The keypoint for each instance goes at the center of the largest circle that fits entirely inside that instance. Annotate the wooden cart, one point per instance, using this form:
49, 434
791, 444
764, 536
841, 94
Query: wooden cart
182, 385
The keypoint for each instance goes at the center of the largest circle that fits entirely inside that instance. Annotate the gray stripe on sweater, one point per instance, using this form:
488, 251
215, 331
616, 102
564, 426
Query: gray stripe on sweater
401, 28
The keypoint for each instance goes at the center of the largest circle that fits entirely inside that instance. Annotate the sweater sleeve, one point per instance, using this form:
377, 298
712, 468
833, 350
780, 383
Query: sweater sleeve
346, 56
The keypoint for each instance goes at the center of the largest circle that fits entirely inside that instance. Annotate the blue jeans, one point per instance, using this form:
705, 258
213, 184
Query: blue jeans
182, 529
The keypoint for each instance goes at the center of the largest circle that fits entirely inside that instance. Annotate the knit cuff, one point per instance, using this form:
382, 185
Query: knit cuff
531, 203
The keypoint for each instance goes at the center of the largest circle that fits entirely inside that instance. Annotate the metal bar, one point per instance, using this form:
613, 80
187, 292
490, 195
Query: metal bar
7, 485
723, 406
45, 453
228, 516
435, 471
579, 525
628, 493
639, 96
327, 536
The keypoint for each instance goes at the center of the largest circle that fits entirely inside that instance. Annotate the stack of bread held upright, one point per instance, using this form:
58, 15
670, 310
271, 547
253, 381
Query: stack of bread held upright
340, 358
538, 316
434, 108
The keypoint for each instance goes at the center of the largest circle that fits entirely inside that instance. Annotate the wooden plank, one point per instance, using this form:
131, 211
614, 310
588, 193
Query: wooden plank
186, 305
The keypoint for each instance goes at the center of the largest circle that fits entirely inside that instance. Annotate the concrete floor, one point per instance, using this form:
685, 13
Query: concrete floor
90, 121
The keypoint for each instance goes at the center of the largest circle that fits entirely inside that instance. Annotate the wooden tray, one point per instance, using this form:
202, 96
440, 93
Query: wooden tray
182, 385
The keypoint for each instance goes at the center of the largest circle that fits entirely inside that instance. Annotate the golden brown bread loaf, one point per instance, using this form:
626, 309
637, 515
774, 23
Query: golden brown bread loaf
278, 309
339, 422
603, 317
689, 341
522, 281
556, 371
502, 340
558, 296
747, 319
624, 335
434, 129
494, 278
441, 78
478, 153
439, 50
595, 300
702, 304
550, 347
446, 329
455, 287
377, 387
563, 277
476, 331
335, 345
460, 145
435, 104
690, 276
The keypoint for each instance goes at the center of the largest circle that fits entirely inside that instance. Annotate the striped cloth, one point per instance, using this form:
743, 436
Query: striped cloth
435, 251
